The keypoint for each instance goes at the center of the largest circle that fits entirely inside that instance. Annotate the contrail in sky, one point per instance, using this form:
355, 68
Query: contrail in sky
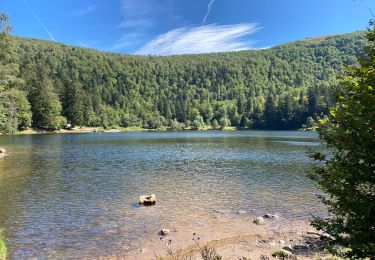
39, 21
209, 7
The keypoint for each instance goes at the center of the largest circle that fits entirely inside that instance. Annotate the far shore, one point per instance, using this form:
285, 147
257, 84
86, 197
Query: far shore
79, 130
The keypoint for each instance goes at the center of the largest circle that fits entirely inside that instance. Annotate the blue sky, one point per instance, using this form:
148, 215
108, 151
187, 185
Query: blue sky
165, 27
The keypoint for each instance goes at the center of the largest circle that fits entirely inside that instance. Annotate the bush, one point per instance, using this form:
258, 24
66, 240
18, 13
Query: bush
346, 171
209, 253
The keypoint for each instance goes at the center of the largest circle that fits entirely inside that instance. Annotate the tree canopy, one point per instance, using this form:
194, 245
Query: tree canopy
276, 88
346, 171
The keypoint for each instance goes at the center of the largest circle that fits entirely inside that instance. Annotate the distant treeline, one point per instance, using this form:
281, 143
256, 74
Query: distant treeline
46, 85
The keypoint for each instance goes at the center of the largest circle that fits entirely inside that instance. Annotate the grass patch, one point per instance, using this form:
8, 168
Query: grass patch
283, 254
3, 246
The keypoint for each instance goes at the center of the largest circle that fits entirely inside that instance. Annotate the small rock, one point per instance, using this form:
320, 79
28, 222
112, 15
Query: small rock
288, 248
2, 150
241, 212
147, 199
259, 221
271, 216
282, 242
164, 232
287, 252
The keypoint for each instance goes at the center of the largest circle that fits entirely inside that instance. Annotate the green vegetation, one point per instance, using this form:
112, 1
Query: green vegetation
15, 111
283, 254
346, 171
3, 247
277, 88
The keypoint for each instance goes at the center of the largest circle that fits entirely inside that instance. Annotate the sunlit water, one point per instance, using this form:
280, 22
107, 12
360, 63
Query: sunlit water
75, 195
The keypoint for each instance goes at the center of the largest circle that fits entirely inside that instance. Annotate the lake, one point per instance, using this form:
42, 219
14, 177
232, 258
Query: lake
76, 195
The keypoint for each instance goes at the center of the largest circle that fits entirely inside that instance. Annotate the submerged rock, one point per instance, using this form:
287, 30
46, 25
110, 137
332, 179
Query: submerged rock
259, 221
271, 216
147, 199
164, 232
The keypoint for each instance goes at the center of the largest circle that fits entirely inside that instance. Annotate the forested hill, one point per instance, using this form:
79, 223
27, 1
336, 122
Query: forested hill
276, 88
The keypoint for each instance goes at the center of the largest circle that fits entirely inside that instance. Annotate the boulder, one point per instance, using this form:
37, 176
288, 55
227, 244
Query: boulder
259, 221
147, 199
271, 216
165, 232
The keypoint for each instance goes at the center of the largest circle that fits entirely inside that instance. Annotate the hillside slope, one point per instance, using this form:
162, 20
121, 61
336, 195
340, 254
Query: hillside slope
276, 88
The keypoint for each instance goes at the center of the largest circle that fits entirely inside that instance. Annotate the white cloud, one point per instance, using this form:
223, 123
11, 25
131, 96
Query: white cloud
83, 11
201, 39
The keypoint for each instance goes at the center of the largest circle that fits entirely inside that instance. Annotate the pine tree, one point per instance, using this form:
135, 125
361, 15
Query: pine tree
73, 102
46, 106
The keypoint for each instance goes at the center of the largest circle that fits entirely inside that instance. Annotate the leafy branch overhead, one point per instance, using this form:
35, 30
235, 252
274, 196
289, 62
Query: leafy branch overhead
347, 172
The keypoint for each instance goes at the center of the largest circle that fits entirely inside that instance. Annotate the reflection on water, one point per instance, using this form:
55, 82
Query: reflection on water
75, 194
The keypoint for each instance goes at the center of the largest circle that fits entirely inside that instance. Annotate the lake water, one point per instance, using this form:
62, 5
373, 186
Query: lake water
75, 195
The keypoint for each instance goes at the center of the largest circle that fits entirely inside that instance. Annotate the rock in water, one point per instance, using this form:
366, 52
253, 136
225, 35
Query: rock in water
259, 221
164, 232
147, 199
2, 150
271, 216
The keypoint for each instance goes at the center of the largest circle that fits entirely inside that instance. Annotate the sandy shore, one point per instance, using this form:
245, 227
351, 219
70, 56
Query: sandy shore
248, 241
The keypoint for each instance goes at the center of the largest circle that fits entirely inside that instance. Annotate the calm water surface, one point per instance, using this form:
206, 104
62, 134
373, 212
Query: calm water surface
75, 195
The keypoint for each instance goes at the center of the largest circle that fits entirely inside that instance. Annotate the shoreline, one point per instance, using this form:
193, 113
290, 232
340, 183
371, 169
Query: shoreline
79, 130
296, 237
83, 130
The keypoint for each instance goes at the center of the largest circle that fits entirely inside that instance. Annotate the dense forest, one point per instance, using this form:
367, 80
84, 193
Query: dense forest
46, 85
